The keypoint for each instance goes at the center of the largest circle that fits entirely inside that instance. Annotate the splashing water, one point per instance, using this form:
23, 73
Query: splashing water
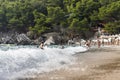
20, 61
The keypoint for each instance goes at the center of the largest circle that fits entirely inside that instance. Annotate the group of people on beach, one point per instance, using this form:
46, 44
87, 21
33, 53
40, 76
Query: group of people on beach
89, 43
99, 41
104, 40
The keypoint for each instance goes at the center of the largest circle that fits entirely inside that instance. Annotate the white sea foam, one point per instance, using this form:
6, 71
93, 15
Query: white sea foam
20, 61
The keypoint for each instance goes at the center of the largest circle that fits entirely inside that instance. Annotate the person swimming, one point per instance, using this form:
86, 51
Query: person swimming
41, 45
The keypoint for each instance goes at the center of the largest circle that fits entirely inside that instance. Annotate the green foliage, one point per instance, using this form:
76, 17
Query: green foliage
39, 22
113, 27
110, 12
55, 14
41, 16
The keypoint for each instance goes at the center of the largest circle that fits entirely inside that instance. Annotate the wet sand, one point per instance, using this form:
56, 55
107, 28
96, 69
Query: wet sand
95, 64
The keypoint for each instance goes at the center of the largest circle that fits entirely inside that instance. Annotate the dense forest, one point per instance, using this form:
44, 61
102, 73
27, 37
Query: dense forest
40, 16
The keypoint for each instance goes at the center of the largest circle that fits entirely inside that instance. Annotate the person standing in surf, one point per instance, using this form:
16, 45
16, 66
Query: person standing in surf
88, 43
99, 43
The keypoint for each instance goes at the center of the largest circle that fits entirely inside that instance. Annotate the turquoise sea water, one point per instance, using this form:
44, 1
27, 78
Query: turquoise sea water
21, 61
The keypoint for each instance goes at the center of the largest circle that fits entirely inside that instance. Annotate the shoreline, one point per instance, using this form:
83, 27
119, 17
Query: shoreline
95, 64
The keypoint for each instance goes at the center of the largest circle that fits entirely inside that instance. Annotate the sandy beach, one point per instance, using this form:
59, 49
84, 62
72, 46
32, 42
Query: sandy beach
95, 64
